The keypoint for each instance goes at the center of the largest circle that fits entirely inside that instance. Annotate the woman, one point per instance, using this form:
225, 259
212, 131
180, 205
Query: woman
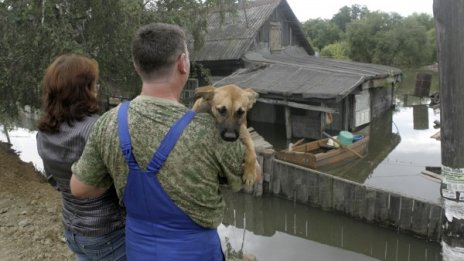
94, 228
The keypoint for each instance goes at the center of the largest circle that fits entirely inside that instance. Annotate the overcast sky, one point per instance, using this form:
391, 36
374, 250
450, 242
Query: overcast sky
311, 9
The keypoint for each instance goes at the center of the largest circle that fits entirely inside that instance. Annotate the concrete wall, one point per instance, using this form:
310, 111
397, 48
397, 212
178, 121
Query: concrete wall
353, 199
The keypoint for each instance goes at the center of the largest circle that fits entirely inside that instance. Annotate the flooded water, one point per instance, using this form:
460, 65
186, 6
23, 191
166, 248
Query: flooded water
400, 147
272, 228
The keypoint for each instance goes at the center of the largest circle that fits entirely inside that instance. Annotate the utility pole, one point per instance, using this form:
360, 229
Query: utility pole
449, 21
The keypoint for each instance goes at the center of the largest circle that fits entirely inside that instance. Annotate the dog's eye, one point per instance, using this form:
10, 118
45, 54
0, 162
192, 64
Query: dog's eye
240, 112
222, 110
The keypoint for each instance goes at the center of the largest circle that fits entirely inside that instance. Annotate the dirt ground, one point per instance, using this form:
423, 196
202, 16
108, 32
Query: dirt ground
30, 213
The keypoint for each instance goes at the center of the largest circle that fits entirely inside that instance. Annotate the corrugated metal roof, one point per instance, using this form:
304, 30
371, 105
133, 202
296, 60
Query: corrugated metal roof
231, 38
293, 72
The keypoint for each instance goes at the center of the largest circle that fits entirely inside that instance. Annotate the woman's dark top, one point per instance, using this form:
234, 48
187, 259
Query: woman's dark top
87, 217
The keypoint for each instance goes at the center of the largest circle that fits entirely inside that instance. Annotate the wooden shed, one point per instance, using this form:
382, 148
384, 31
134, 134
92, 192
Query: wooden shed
310, 94
256, 25
262, 46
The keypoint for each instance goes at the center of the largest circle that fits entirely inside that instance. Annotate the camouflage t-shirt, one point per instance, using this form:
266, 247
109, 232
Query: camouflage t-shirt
189, 175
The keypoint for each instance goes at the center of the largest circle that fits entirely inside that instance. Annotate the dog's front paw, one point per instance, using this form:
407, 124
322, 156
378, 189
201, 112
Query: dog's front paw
249, 175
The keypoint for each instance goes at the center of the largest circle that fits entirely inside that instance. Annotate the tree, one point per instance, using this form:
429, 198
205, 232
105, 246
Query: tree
321, 32
391, 40
360, 36
34, 32
347, 15
338, 50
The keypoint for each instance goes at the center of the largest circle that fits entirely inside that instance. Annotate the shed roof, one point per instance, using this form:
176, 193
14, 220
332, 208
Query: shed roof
231, 36
295, 73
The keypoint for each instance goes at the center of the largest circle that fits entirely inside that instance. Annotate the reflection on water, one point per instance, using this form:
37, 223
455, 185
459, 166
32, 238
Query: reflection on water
21, 133
400, 170
272, 228
400, 147
23, 142
420, 117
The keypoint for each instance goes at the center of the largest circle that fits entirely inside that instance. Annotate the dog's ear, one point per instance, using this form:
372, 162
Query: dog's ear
205, 92
252, 95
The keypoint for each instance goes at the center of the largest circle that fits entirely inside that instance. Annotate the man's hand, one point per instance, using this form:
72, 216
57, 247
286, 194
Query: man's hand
82, 190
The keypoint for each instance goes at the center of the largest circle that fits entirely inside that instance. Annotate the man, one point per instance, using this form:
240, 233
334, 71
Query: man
172, 199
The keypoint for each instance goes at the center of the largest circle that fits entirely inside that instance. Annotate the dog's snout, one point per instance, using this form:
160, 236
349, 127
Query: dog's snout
229, 135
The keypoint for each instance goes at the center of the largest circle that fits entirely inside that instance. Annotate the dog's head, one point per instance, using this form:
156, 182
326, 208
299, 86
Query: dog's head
229, 105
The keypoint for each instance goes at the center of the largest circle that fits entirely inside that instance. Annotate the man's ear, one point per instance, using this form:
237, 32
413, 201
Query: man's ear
205, 92
252, 95
182, 64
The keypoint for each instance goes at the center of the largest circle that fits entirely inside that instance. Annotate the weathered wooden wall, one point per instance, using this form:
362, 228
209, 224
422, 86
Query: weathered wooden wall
266, 113
305, 124
353, 199
449, 18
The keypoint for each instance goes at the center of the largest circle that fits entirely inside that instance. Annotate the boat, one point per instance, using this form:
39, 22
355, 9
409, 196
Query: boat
319, 153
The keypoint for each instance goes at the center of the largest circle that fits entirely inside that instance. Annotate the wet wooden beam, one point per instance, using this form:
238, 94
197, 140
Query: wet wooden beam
449, 18
297, 105
373, 205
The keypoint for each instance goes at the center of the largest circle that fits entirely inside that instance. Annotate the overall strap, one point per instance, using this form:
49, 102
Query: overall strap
124, 137
169, 142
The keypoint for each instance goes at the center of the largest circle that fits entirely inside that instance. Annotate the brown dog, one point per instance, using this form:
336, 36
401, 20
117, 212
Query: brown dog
229, 105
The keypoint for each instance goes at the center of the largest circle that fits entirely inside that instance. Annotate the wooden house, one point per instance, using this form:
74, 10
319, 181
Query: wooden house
262, 46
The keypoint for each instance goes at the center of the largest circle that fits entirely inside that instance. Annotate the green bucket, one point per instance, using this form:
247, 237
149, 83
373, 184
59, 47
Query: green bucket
345, 137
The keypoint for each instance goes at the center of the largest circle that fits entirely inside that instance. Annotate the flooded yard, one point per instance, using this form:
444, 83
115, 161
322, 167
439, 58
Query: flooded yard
272, 228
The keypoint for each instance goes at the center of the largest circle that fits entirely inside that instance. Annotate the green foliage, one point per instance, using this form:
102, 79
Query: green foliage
34, 32
338, 50
362, 36
432, 45
375, 37
347, 15
192, 14
389, 39
202, 74
321, 32
403, 45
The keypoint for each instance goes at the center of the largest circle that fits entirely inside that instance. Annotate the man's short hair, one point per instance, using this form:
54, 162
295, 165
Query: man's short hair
157, 46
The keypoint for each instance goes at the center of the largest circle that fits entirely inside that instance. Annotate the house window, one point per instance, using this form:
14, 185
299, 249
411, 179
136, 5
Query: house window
362, 108
275, 37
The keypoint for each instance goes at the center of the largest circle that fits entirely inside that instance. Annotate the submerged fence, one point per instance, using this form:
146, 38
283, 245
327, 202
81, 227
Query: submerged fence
423, 219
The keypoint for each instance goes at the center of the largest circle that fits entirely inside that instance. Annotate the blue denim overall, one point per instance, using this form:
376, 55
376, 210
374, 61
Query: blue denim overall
156, 229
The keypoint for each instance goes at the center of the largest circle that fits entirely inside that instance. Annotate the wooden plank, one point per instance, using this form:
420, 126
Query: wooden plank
395, 210
325, 191
406, 213
381, 206
359, 202
420, 218
434, 228
288, 123
275, 181
431, 174
297, 105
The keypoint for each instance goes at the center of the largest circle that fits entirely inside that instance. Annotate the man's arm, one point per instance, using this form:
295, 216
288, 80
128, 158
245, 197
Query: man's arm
81, 190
